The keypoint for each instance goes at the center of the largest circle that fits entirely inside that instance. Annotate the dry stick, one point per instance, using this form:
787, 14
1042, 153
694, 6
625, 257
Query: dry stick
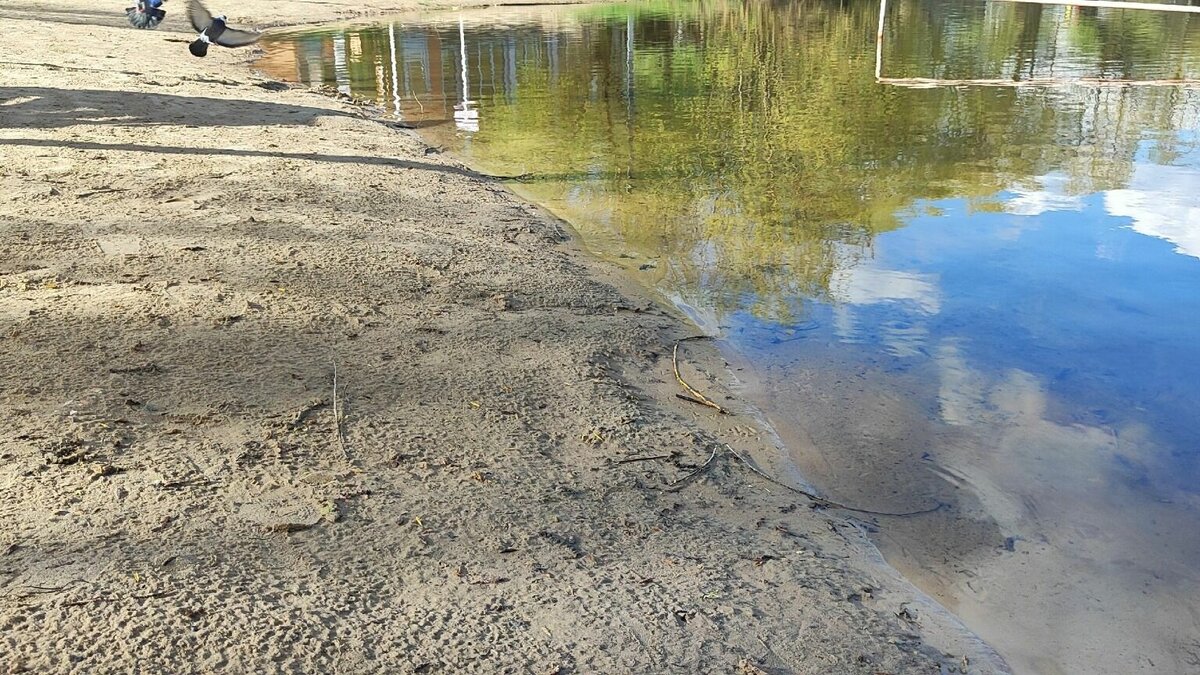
771, 652
113, 598
100, 191
643, 459
337, 417
821, 501
700, 398
34, 590
674, 486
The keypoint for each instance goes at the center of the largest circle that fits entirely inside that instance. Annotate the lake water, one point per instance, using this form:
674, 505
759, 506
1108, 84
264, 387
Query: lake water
941, 286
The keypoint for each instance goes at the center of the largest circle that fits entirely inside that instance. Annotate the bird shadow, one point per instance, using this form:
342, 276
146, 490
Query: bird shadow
52, 108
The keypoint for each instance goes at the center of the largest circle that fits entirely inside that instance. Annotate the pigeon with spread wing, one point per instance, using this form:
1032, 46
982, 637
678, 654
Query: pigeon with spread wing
214, 31
146, 14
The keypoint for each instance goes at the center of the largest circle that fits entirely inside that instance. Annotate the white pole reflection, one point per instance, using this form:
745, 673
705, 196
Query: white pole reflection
629, 64
395, 70
879, 40
316, 62
465, 118
341, 69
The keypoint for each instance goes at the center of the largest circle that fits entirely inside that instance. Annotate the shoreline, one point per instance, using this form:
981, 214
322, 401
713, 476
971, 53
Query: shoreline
189, 258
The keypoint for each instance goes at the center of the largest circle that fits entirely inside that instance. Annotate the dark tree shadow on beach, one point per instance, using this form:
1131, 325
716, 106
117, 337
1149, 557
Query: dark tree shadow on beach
49, 108
184, 150
114, 17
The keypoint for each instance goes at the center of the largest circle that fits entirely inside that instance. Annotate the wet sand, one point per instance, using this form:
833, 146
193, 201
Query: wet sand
286, 392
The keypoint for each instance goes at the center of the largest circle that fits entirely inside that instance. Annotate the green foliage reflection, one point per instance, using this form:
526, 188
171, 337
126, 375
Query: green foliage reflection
747, 146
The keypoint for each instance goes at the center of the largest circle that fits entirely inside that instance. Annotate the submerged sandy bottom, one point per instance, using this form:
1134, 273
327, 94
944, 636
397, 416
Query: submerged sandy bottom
190, 256
1062, 564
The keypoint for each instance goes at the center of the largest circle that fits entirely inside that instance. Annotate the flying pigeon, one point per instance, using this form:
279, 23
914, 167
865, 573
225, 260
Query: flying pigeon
147, 14
214, 31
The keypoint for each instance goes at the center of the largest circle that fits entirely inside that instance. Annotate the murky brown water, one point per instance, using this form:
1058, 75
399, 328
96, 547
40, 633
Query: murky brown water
984, 295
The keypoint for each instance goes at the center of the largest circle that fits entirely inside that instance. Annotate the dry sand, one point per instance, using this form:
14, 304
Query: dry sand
188, 255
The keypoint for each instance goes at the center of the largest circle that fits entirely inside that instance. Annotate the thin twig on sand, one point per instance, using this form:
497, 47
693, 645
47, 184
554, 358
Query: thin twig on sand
770, 653
695, 393
679, 483
337, 415
689, 399
643, 459
114, 598
822, 502
34, 589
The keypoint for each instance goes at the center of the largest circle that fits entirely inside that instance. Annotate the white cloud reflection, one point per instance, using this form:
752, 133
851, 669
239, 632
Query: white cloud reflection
866, 284
1162, 202
1051, 195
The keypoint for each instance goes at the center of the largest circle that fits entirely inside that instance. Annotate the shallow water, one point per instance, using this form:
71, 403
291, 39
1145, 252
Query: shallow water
983, 295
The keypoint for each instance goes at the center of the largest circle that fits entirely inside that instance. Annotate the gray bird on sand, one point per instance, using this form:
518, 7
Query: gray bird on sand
213, 31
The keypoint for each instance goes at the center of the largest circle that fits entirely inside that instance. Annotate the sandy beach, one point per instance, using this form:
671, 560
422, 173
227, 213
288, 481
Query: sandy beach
288, 391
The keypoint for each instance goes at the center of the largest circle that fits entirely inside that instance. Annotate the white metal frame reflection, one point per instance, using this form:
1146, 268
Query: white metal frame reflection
931, 82
465, 117
395, 70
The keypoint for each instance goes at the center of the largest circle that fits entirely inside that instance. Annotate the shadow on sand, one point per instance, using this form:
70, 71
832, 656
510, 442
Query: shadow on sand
184, 150
49, 108
113, 16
